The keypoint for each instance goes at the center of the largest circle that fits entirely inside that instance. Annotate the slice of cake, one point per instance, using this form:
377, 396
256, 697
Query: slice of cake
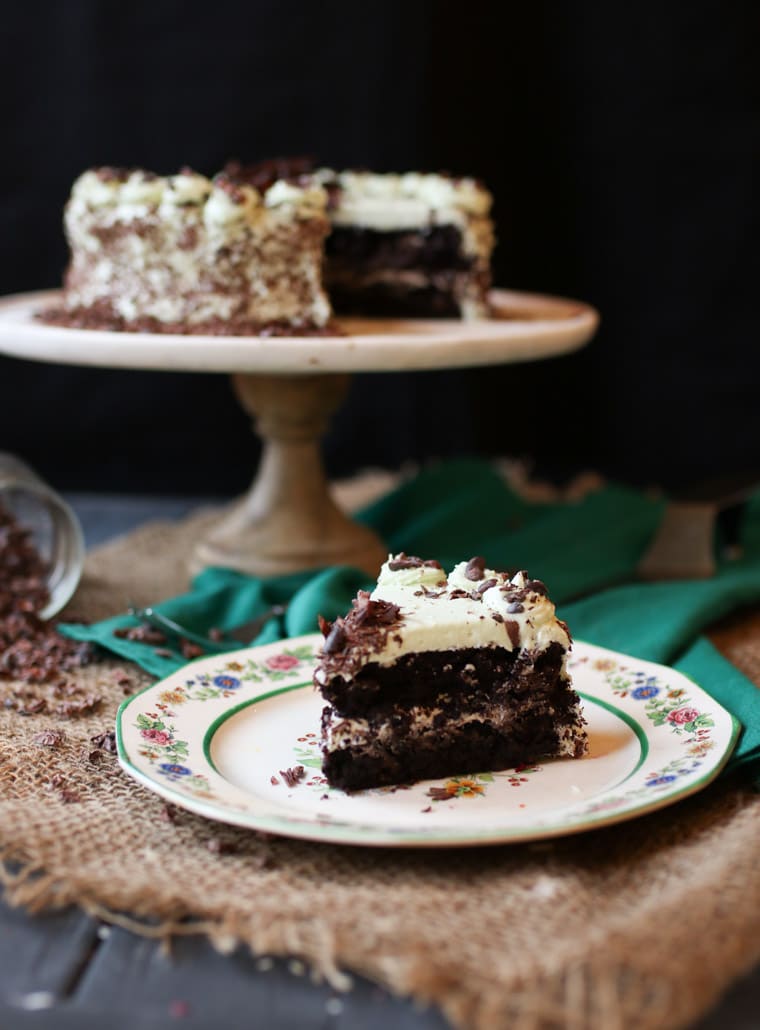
414, 245
186, 254
433, 676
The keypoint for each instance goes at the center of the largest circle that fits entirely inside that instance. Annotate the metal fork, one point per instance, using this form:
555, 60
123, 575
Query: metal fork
229, 639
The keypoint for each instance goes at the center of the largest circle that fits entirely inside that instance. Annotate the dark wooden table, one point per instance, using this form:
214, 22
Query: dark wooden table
67, 971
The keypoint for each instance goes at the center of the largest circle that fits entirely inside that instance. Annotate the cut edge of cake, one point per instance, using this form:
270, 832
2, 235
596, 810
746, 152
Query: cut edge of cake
408, 245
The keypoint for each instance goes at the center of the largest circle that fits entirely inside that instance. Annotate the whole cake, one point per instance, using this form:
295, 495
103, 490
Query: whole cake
432, 676
263, 249
408, 245
185, 254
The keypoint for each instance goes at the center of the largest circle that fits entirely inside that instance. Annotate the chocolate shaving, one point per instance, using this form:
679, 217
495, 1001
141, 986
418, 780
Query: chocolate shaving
537, 587
293, 776
77, 706
35, 707
336, 638
513, 631
475, 569
48, 738
190, 650
217, 846
142, 634
514, 607
486, 585
106, 741
404, 561
169, 813
31, 650
431, 593
373, 613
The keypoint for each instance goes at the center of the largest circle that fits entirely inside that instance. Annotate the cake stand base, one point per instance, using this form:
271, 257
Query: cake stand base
288, 521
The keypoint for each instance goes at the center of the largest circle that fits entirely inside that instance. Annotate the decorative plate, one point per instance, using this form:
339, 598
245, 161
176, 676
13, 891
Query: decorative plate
225, 736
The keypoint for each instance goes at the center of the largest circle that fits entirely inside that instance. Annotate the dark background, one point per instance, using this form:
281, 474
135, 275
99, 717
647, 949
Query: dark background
622, 146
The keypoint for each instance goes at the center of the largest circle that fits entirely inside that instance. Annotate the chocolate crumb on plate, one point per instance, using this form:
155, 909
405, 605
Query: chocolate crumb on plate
293, 776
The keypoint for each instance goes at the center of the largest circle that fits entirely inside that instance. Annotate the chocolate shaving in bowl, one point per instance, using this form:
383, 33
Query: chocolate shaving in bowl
32, 652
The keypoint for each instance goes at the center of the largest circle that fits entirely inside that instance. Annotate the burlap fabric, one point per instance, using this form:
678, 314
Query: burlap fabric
641, 925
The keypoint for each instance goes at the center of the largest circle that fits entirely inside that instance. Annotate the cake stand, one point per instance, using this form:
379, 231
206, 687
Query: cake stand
291, 386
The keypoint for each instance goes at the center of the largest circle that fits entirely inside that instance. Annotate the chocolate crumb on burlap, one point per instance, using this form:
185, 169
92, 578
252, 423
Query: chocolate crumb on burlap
640, 925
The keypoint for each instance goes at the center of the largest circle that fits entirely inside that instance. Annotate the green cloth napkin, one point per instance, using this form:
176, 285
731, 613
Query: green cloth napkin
587, 548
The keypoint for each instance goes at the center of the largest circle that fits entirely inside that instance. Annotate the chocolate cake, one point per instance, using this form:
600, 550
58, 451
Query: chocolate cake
432, 676
186, 254
413, 245
258, 248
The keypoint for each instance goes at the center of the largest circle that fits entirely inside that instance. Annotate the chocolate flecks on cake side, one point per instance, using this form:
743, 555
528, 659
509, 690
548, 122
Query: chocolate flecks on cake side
449, 688
185, 254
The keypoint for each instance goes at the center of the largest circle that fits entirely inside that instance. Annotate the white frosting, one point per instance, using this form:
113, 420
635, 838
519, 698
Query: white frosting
305, 199
431, 192
90, 189
222, 209
141, 189
186, 188
439, 621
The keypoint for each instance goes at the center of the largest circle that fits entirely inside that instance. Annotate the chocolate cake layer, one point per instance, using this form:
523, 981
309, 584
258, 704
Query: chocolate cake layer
427, 249
393, 300
435, 677
450, 751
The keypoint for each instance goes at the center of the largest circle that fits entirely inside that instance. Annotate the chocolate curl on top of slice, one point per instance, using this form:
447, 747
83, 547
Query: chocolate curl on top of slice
475, 569
372, 613
410, 561
367, 620
334, 634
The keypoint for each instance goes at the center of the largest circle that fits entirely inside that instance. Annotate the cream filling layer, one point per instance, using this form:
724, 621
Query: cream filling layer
346, 733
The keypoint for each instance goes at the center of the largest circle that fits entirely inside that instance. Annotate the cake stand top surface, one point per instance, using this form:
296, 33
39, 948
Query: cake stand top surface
524, 327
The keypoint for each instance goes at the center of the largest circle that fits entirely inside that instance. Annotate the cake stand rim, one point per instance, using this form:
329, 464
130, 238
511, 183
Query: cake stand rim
554, 326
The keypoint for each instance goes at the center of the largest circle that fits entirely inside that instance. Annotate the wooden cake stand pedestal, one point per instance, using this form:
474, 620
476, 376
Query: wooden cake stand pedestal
288, 520
291, 386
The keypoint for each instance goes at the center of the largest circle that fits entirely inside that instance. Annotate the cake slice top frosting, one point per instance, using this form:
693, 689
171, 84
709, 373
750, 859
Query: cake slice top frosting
416, 607
130, 192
